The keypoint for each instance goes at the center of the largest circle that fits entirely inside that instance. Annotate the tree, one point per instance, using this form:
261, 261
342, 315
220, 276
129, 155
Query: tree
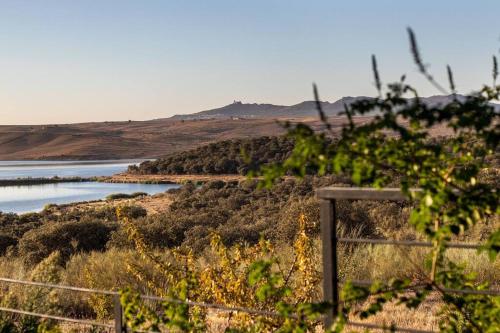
396, 146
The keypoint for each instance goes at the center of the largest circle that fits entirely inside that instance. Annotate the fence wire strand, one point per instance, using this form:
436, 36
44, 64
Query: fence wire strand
205, 305
60, 286
59, 318
385, 328
405, 243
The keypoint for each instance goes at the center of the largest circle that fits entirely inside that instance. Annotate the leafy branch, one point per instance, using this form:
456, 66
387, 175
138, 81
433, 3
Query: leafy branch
397, 146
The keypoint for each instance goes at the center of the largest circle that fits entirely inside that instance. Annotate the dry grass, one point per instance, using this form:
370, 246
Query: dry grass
425, 317
108, 271
384, 262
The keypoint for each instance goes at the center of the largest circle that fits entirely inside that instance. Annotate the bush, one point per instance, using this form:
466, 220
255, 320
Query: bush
15, 226
133, 212
5, 242
115, 196
67, 237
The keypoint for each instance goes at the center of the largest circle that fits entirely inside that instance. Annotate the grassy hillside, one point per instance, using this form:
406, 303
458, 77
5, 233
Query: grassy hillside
134, 139
114, 140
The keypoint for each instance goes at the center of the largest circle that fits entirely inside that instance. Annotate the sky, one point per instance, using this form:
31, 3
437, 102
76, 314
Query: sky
96, 60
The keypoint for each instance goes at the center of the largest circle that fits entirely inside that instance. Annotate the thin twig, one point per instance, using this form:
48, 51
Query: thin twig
319, 108
417, 58
378, 83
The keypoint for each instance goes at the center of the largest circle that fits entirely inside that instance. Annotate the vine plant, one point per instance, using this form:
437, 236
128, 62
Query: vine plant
395, 146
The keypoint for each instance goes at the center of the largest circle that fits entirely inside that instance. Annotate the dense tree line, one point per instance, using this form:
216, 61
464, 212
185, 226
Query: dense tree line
224, 157
238, 156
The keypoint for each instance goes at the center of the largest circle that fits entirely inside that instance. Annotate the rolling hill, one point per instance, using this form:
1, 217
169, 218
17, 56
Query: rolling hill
159, 137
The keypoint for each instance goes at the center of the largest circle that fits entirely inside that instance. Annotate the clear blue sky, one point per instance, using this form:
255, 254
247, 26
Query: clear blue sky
72, 61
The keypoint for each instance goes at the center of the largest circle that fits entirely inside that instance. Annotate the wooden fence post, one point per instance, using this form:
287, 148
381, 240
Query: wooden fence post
328, 220
119, 324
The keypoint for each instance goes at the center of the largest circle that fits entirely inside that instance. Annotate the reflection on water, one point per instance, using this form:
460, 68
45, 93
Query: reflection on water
45, 169
22, 199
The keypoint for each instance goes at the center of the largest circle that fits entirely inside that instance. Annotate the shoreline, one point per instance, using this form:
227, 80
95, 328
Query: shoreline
125, 178
153, 203
42, 181
168, 179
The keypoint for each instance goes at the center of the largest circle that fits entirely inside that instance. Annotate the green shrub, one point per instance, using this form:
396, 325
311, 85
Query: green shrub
66, 237
116, 196
5, 242
49, 206
106, 213
139, 194
134, 212
15, 226
7, 325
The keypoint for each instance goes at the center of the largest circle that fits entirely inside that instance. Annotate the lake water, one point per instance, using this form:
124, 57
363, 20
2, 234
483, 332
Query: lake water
29, 198
47, 169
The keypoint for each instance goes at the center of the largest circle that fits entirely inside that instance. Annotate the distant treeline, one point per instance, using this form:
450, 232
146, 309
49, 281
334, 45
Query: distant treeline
39, 181
237, 156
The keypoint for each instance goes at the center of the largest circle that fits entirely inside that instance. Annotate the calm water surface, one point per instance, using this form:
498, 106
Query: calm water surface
23, 199
29, 198
46, 169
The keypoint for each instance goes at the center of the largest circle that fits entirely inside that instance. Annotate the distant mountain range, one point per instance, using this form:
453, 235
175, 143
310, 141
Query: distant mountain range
301, 110
247, 110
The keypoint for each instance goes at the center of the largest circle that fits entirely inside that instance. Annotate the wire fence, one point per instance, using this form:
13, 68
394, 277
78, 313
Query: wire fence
331, 283
118, 325
328, 218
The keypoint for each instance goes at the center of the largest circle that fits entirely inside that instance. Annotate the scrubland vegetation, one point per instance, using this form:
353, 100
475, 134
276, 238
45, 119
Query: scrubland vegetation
219, 229
207, 225
242, 244
238, 156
